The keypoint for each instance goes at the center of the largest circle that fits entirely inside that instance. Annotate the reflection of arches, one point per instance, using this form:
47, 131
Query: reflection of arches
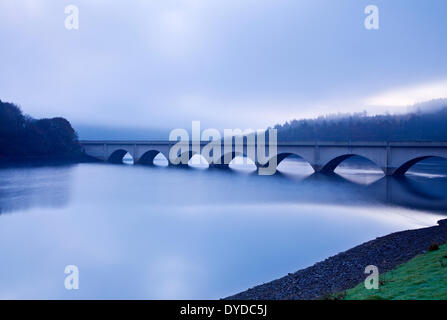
282, 156
407, 165
117, 156
330, 166
148, 157
410, 193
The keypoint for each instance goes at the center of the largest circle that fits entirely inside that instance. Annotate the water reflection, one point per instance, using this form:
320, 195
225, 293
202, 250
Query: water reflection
23, 188
151, 232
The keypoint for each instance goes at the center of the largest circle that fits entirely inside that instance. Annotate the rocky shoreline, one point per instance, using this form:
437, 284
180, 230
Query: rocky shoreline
345, 270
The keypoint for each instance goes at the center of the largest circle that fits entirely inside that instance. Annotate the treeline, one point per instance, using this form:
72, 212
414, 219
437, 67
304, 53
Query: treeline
24, 137
417, 126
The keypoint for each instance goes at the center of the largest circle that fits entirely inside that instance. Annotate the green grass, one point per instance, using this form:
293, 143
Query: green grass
423, 277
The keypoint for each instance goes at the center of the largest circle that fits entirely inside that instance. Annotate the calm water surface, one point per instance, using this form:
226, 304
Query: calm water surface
155, 233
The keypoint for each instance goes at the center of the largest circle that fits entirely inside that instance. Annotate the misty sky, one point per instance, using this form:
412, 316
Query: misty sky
228, 63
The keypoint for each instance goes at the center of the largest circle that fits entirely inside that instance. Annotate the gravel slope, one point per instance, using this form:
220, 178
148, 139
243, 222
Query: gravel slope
345, 270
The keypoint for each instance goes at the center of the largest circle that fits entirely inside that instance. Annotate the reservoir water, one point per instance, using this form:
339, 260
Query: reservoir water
137, 232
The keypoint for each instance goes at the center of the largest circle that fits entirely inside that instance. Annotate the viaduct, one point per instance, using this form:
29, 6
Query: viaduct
394, 158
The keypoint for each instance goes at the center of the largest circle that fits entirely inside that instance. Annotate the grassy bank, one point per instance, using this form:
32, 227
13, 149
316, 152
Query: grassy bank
423, 277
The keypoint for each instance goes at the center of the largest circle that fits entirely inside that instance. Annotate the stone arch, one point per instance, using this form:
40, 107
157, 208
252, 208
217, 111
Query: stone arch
231, 156
198, 161
117, 156
402, 169
282, 156
332, 164
184, 158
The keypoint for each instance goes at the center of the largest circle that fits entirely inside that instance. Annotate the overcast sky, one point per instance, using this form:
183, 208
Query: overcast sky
228, 63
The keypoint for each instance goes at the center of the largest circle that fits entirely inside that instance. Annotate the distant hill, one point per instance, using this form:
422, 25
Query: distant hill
415, 126
23, 137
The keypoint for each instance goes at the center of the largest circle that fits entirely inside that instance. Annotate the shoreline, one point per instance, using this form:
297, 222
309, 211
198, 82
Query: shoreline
345, 270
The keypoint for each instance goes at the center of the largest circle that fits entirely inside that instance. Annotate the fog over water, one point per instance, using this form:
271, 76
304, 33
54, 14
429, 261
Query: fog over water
162, 232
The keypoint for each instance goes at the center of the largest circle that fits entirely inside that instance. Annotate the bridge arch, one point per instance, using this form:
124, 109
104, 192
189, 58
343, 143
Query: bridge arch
223, 160
332, 164
198, 161
280, 157
183, 158
402, 169
148, 157
117, 156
